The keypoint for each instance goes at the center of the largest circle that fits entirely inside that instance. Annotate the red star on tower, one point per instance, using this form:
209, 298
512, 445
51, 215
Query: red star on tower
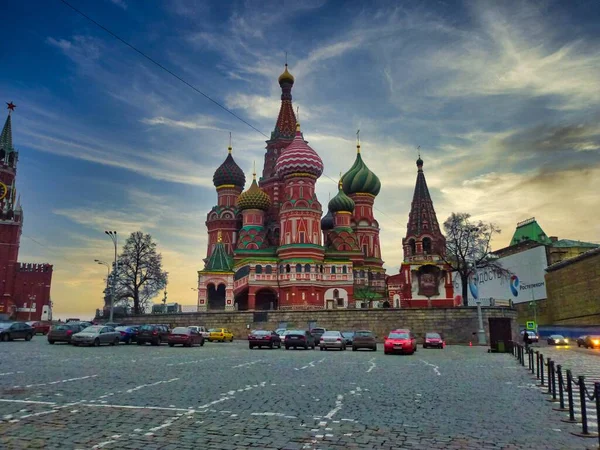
11, 106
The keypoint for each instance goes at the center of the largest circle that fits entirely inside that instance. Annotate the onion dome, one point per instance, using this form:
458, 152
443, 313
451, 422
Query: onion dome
229, 173
254, 198
286, 77
341, 202
299, 158
420, 163
327, 222
360, 179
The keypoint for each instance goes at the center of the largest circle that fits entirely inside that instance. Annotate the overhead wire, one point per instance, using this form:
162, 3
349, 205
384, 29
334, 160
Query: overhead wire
179, 78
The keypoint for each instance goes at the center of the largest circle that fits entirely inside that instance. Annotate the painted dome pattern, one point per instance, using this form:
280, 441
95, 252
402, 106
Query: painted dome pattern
327, 222
299, 157
254, 198
341, 202
360, 179
229, 173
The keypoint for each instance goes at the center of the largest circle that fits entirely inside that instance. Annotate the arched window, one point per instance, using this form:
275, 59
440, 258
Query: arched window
344, 269
298, 268
268, 269
427, 246
332, 269
413, 247
307, 268
362, 273
321, 268
336, 293
281, 268
258, 269
288, 269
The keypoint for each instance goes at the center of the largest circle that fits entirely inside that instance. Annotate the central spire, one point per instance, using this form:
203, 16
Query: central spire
286, 121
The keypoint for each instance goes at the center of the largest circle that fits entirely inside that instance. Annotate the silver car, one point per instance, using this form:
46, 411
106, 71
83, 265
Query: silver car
332, 339
200, 330
96, 335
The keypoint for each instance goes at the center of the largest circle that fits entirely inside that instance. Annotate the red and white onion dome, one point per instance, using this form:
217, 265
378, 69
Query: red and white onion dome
299, 158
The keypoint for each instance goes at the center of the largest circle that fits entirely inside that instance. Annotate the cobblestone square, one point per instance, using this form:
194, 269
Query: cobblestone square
225, 396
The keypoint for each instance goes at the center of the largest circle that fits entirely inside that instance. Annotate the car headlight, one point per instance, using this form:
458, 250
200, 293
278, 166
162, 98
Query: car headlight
596, 342
566, 341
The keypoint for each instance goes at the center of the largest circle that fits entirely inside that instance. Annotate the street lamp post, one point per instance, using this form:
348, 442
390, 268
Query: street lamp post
102, 263
113, 237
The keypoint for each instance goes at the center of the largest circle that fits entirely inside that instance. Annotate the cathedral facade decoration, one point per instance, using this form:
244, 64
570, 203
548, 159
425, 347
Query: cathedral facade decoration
271, 247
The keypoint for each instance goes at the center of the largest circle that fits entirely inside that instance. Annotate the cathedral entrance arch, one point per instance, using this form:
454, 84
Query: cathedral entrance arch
241, 300
216, 296
265, 299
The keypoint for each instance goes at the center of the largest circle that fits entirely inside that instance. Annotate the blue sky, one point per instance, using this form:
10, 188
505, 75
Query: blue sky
502, 97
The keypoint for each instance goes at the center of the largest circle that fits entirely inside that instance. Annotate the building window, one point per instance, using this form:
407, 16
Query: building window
332, 269
362, 273
427, 246
336, 293
340, 301
258, 269
307, 268
288, 269
365, 249
344, 269
413, 247
298, 268
302, 239
281, 268
268, 270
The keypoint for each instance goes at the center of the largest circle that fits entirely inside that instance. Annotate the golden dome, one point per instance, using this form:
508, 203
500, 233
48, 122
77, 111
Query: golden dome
286, 76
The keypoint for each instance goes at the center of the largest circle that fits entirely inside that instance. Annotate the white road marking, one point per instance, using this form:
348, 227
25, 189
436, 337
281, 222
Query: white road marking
248, 364
103, 444
190, 362
157, 408
373, 365
137, 388
68, 380
9, 373
310, 364
435, 368
43, 413
33, 402
338, 406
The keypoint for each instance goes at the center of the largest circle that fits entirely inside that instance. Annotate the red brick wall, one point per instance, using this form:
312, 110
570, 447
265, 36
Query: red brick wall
32, 280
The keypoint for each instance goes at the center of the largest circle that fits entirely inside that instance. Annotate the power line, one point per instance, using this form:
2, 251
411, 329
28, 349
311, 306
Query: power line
185, 82
153, 61
45, 246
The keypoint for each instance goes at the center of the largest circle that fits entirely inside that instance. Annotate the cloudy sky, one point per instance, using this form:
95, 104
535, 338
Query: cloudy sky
502, 97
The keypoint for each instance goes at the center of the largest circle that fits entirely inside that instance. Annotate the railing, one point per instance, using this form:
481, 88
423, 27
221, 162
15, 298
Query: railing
557, 387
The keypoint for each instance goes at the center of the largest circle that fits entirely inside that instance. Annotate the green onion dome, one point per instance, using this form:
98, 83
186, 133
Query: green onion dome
341, 202
254, 198
360, 179
327, 222
229, 173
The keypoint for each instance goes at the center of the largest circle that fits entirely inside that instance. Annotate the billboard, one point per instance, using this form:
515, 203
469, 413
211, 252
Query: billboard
524, 285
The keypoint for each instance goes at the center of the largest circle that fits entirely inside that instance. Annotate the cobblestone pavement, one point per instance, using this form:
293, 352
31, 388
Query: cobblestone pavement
225, 396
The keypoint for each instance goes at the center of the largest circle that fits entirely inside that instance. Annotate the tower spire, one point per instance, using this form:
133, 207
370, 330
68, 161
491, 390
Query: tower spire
6, 135
229, 148
357, 141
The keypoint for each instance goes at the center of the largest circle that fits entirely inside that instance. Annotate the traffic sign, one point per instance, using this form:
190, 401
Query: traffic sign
531, 325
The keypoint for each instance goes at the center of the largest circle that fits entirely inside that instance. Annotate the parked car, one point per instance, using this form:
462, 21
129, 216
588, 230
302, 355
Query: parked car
153, 334
348, 337
280, 331
299, 338
185, 336
581, 341
317, 333
592, 341
332, 339
220, 335
400, 341
433, 340
112, 324
96, 335
128, 334
9, 331
64, 332
263, 338
200, 330
557, 339
364, 339
533, 337
40, 327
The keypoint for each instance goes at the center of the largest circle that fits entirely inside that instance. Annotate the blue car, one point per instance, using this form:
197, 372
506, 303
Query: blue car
128, 334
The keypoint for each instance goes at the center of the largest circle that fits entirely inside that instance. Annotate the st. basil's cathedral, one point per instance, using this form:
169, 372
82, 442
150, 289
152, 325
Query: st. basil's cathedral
270, 247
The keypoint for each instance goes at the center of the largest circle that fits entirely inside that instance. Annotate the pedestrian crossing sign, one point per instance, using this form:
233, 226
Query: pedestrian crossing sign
531, 325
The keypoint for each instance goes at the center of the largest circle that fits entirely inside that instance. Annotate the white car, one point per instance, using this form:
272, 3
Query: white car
200, 330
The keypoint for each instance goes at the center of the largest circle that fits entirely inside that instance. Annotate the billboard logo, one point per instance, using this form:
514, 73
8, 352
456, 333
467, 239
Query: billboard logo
514, 285
473, 286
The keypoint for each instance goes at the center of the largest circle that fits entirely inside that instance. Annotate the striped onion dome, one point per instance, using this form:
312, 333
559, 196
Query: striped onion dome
254, 198
359, 179
229, 173
299, 158
341, 202
327, 222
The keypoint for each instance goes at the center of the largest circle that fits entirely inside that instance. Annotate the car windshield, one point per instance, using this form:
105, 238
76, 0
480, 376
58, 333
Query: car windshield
122, 329
261, 332
318, 330
215, 330
62, 327
147, 328
432, 336
557, 336
363, 334
93, 329
347, 333
531, 333
5, 324
296, 332
181, 330
331, 333
398, 335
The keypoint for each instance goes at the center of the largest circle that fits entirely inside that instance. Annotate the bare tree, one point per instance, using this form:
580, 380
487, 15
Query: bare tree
468, 248
140, 276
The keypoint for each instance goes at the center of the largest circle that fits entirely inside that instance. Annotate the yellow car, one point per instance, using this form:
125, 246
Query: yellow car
220, 334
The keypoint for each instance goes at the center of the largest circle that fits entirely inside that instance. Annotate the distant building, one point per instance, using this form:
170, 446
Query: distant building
24, 287
425, 280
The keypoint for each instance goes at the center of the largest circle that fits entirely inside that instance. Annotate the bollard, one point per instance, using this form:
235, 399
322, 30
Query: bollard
537, 364
561, 395
597, 395
549, 377
584, 425
531, 363
570, 397
552, 371
542, 370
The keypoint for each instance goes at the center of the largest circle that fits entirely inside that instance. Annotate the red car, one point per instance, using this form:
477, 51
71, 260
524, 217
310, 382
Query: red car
400, 341
263, 338
40, 327
184, 336
433, 340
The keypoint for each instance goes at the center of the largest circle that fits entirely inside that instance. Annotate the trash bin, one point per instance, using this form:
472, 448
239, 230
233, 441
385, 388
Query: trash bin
500, 347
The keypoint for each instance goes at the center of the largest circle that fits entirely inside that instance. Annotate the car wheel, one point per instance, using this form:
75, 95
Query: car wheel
50, 342
202, 343
354, 348
306, 347
155, 343
74, 344
5, 337
375, 348
139, 343
117, 341
250, 346
28, 337
424, 345
270, 345
321, 348
96, 342
279, 345
287, 347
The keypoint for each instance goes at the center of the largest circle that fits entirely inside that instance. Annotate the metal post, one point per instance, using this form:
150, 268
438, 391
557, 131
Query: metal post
561, 395
570, 396
549, 377
481, 331
597, 395
542, 370
531, 365
113, 237
537, 364
553, 372
584, 425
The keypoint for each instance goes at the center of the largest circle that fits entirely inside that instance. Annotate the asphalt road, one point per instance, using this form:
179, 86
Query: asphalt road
225, 396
